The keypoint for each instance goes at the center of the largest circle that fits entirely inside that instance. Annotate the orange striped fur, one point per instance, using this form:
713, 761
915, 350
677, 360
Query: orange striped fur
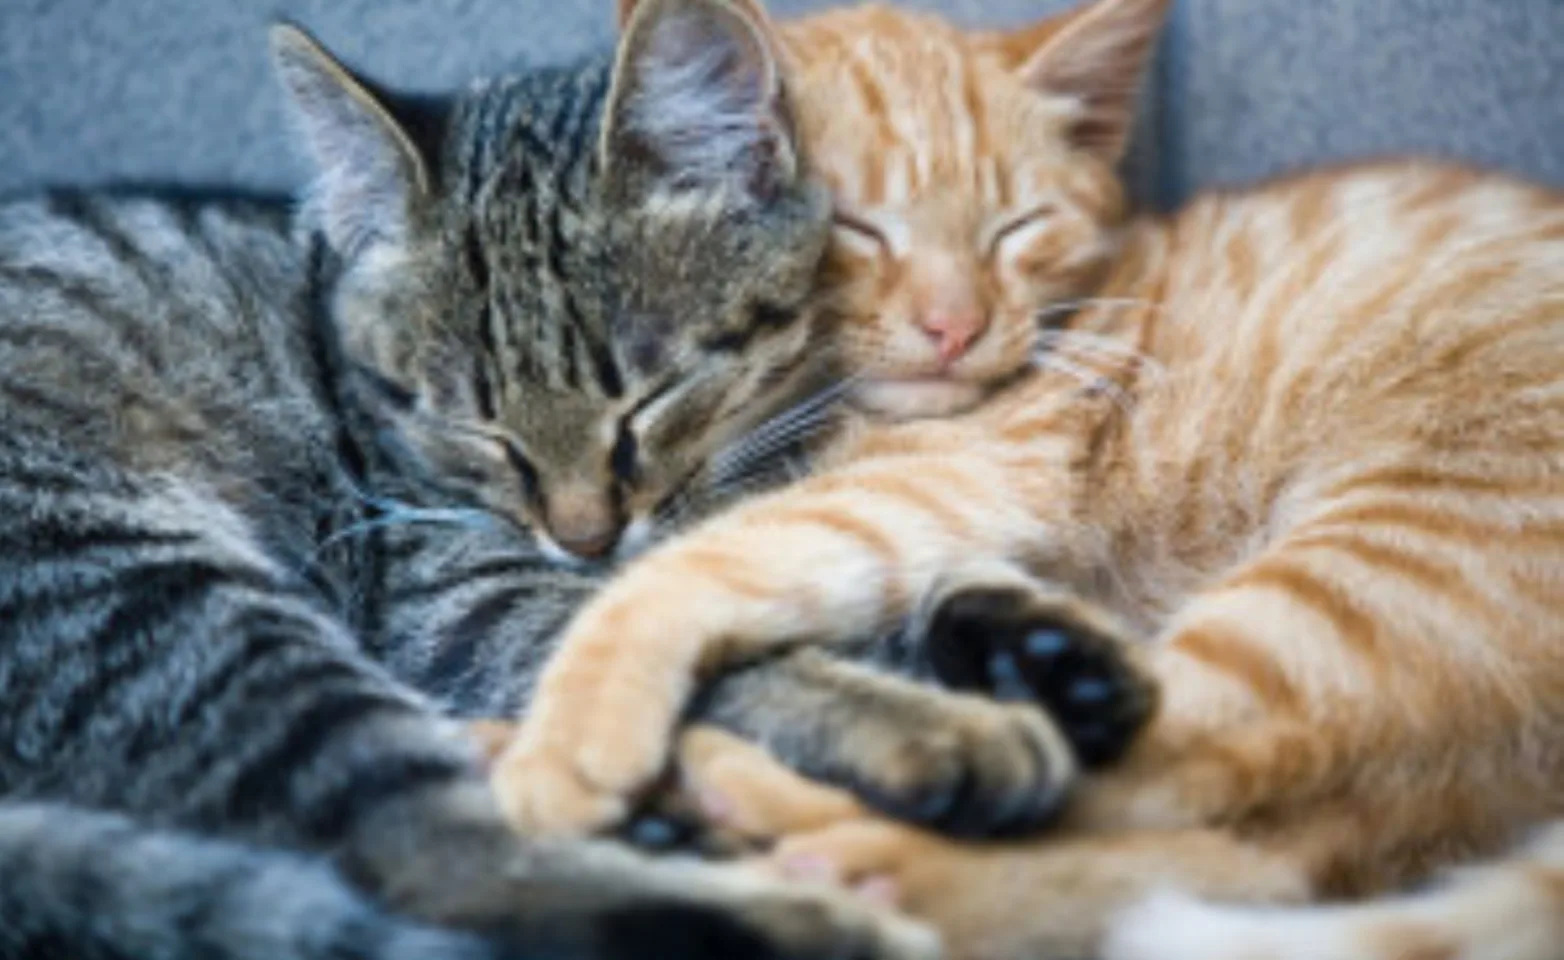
1307, 438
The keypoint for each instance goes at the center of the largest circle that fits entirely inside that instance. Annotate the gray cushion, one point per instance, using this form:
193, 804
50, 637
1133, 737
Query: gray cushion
1256, 86
178, 89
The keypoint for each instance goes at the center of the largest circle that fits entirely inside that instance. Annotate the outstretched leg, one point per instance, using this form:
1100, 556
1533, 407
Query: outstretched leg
158, 662
1041, 899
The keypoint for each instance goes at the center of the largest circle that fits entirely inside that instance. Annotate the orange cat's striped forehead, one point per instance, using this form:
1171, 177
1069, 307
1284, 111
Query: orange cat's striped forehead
893, 104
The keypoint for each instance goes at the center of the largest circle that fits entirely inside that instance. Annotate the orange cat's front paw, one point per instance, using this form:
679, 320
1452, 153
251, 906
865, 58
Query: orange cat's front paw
598, 732
542, 793
547, 786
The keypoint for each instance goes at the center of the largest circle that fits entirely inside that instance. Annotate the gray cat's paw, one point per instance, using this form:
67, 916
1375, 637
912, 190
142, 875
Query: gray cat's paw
963, 766
595, 900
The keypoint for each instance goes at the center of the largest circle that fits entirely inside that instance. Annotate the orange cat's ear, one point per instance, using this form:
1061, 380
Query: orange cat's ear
1015, 47
1093, 58
698, 100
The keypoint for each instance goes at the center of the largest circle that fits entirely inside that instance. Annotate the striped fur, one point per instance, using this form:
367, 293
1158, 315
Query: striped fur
165, 894
257, 489
1305, 439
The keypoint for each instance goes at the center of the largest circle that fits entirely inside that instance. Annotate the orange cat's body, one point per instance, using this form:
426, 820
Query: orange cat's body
1306, 439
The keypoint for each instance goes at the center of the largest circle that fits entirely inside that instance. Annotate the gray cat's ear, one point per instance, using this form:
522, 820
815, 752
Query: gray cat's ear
625, 9
698, 100
370, 173
1093, 60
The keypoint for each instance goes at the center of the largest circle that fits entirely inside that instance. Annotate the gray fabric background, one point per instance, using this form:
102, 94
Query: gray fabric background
94, 90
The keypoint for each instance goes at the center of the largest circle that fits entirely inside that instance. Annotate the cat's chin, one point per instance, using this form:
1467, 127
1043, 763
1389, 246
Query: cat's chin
637, 537
917, 398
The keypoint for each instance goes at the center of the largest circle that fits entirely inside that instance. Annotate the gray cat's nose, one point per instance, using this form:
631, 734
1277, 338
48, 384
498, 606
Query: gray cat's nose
584, 523
594, 546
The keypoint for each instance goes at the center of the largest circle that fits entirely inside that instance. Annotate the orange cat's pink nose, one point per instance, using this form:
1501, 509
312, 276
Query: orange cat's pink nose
953, 333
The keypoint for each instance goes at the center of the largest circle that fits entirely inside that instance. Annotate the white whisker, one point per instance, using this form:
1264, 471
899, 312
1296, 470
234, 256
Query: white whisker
397, 514
1093, 380
1080, 303
1101, 348
743, 456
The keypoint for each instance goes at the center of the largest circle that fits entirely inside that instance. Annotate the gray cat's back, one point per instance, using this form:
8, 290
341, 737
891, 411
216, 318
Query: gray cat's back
160, 321
230, 455
187, 714
140, 336
82, 885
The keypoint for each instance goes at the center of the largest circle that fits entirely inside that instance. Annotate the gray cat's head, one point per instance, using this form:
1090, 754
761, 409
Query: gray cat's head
575, 287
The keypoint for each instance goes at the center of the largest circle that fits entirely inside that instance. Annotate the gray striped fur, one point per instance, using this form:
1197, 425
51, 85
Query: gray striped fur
255, 494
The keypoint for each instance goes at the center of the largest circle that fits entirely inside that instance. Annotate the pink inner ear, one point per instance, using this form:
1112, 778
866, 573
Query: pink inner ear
1015, 47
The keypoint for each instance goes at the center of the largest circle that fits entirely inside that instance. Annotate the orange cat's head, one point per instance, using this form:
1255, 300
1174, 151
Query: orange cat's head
975, 182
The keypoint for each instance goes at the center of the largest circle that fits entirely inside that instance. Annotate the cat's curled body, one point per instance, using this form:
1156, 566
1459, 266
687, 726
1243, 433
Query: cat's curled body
1304, 441
261, 476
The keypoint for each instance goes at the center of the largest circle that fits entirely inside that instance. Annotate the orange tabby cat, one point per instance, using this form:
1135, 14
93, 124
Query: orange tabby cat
1305, 439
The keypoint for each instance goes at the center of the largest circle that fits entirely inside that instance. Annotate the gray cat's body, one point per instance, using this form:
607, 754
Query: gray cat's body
238, 526
264, 478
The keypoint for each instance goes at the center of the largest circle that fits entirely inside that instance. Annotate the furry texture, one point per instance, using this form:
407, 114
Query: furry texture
262, 475
1511, 910
1303, 441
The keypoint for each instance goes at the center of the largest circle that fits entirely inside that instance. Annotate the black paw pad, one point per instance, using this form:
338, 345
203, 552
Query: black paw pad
1006, 643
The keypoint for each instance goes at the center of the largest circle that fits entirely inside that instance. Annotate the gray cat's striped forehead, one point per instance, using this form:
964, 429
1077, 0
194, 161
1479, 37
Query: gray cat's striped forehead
588, 287
528, 219
575, 287
556, 290
545, 121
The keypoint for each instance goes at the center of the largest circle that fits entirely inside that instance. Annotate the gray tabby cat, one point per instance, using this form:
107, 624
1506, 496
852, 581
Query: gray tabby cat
261, 477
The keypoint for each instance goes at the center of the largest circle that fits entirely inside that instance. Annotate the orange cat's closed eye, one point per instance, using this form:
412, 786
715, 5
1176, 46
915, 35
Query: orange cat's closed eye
1015, 229
857, 235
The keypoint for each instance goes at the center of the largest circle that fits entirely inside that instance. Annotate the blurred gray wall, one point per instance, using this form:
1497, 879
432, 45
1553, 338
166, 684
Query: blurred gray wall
94, 90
